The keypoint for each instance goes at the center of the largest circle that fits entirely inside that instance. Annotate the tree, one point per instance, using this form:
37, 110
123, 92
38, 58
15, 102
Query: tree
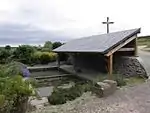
24, 53
8, 47
48, 44
4, 55
56, 45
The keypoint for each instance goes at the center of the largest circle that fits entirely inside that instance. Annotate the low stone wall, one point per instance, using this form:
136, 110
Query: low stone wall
129, 66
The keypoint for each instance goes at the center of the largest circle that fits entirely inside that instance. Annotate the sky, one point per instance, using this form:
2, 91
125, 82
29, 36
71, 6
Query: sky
36, 21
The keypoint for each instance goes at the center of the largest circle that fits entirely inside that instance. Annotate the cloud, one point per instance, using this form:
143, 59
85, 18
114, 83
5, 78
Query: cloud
67, 19
14, 34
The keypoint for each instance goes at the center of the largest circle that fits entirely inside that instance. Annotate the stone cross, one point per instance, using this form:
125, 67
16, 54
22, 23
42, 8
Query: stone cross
107, 24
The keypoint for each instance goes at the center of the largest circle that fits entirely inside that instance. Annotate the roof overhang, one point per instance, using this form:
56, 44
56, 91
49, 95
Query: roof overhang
110, 50
122, 43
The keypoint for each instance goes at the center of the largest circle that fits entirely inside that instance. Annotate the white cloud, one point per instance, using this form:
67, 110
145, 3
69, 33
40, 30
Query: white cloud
75, 18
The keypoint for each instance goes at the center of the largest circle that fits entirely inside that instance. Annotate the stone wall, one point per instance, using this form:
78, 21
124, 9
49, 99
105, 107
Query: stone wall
129, 66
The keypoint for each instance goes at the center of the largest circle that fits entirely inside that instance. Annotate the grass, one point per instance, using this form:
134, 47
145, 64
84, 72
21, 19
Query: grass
100, 78
144, 41
131, 81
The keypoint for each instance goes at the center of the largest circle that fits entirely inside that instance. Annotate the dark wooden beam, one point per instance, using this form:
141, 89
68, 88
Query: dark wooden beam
58, 61
110, 66
120, 46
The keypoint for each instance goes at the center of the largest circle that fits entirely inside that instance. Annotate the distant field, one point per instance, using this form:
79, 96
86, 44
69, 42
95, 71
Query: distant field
144, 40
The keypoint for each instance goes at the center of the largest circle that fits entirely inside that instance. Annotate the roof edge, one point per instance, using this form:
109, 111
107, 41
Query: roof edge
117, 44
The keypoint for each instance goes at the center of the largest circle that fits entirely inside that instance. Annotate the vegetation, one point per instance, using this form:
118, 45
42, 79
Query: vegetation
134, 80
144, 41
61, 96
120, 79
23, 54
56, 45
29, 54
14, 91
48, 45
44, 57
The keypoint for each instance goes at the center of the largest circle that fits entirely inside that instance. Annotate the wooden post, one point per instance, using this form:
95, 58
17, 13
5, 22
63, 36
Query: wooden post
110, 66
135, 47
58, 61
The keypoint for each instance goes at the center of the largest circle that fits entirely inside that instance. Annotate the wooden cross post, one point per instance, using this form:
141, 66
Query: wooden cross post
107, 23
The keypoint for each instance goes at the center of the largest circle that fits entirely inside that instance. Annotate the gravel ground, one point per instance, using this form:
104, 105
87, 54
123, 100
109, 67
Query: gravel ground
126, 100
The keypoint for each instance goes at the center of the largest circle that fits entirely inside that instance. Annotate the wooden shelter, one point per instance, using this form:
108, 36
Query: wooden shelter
122, 43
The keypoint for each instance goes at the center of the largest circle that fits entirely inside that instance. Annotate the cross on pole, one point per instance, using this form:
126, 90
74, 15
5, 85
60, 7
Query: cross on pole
107, 24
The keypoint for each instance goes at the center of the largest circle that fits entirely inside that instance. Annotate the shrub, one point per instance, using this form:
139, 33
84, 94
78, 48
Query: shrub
36, 57
32, 81
23, 53
61, 96
44, 57
58, 96
14, 68
4, 55
120, 80
14, 93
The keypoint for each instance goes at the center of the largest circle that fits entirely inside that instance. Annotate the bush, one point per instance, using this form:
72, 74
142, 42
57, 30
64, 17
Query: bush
58, 96
4, 55
32, 81
120, 80
13, 68
14, 93
23, 53
61, 96
44, 57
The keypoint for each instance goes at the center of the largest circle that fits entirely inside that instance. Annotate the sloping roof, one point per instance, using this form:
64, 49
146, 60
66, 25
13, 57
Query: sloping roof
97, 43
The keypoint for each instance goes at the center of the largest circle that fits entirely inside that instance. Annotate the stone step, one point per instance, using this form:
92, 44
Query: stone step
51, 76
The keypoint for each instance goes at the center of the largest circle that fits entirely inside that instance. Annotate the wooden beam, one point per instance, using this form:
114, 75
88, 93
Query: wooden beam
126, 49
135, 47
120, 46
110, 66
58, 61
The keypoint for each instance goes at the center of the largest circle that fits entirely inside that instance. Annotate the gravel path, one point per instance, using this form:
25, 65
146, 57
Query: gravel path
126, 100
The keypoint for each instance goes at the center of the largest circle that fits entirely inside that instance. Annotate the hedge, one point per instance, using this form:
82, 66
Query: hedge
43, 57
